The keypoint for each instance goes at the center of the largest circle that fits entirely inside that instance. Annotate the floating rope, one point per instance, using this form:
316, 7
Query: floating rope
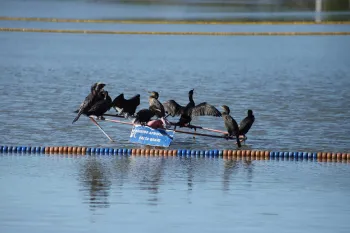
77, 31
142, 21
226, 154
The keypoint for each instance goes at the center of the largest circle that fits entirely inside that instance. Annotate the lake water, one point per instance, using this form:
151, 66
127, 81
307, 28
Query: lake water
297, 87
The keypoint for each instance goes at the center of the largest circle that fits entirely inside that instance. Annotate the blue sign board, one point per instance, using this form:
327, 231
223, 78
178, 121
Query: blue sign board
149, 136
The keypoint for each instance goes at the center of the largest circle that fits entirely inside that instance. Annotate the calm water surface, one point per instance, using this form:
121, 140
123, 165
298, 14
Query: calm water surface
297, 87
138, 194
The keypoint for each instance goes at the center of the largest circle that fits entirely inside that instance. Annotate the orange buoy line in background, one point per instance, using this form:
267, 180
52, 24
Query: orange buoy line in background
226, 154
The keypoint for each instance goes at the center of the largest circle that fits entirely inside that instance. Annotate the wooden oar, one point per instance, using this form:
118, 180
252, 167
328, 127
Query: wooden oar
178, 131
111, 115
121, 122
198, 127
95, 122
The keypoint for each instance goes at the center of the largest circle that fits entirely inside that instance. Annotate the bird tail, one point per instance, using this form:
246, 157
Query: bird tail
76, 111
238, 141
77, 117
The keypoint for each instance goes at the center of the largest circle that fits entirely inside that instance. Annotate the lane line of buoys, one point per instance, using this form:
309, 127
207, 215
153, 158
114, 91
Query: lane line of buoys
233, 154
79, 31
150, 21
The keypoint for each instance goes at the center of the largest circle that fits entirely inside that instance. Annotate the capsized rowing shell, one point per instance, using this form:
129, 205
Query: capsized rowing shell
148, 136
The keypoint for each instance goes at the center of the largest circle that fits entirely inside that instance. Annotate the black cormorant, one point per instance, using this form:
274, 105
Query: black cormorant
246, 123
155, 106
230, 124
101, 106
191, 110
143, 116
90, 100
126, 106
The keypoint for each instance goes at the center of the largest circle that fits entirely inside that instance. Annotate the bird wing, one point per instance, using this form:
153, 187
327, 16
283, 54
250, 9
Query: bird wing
245, 124
157, 106
135, 99
205, 109
173, 108
119, 101
96, 106
230, 124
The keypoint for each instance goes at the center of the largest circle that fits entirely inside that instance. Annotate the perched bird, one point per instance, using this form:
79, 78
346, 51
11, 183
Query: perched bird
172, 108
230, 124
143, 116
90, 100
155, 106
246, 123
191, 110
101, 106
126, 106
97, 87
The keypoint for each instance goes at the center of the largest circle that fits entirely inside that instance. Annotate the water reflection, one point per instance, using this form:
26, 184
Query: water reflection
248, 166
95, 179
230, 167
122, 167
151, 178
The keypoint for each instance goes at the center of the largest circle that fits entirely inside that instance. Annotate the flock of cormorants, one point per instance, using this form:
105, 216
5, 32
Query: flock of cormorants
98, 102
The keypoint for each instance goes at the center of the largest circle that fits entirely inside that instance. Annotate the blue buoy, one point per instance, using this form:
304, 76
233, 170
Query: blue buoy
211, 153
1, 149
188, 152
300, 154
29, 149
88, 150
285, 154
272, 154
305, 155
129, 151
193, 152
115, 152
221, 152
4, 149
120, 151
295, 154
97, 150
33, 149
179, 152
314, 155
14, 149
206, 153
216, 153
125, 151
93, 150
42, 149
183, 153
